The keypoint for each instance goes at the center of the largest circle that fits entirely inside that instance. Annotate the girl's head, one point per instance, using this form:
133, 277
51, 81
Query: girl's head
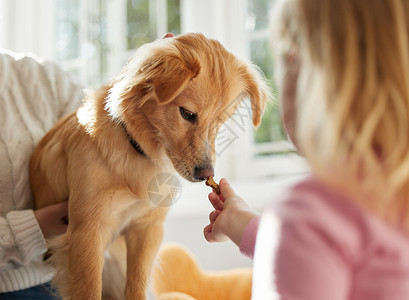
348, 66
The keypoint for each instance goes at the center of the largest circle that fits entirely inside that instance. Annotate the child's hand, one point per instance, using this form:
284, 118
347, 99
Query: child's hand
230, 217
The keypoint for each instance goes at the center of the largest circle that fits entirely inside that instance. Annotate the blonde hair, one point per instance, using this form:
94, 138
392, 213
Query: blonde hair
353, 94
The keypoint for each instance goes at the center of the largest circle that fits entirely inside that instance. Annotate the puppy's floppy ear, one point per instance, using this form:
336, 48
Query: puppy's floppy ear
258, 91
170, 75
158, 71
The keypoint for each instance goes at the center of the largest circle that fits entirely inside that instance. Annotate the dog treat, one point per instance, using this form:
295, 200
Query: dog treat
210, 182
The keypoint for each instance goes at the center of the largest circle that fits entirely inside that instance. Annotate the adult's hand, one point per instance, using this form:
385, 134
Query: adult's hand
53, 219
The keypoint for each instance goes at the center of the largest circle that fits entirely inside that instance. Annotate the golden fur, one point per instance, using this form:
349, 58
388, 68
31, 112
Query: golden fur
88, 160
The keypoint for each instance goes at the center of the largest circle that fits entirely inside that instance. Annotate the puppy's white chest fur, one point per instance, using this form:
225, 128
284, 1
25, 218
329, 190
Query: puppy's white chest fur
126, 207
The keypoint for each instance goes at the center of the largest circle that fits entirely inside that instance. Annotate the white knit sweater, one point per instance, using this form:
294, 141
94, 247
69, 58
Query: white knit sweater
33, 96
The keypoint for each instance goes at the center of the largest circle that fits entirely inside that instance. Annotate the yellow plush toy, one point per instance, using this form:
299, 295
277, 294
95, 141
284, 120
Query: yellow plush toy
177, 276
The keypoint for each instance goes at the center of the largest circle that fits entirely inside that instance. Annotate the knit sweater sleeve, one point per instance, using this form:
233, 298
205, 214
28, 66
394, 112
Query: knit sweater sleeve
34, 94
21, 239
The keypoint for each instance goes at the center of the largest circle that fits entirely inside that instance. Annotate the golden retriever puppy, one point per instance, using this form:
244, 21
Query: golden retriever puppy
161, 114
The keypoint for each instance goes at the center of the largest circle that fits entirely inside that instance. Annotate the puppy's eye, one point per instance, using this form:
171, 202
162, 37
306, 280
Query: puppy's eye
187, 115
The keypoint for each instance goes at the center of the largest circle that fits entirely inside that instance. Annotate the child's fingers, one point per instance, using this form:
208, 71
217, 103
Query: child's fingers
225, 189
211, 236
213, 215
207, 231
221, 197
215, 201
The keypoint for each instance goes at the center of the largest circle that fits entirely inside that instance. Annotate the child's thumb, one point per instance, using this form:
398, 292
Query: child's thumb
225, 189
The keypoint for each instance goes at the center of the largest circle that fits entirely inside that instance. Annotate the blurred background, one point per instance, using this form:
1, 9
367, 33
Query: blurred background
93, 39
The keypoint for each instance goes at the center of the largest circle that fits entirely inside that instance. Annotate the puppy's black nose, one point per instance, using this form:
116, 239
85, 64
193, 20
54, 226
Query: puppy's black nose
202, 173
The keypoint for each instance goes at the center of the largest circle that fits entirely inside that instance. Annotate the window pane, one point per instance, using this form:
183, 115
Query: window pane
96, 49
83, 37
140, 30
174, 16
270, 128
67, 23
261, 55
258, 14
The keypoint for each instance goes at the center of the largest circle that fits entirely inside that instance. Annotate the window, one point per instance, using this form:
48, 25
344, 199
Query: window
257, 28
90, 39
272, 150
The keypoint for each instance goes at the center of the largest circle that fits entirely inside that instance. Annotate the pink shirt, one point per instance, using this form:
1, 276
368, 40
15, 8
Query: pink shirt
328, 249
